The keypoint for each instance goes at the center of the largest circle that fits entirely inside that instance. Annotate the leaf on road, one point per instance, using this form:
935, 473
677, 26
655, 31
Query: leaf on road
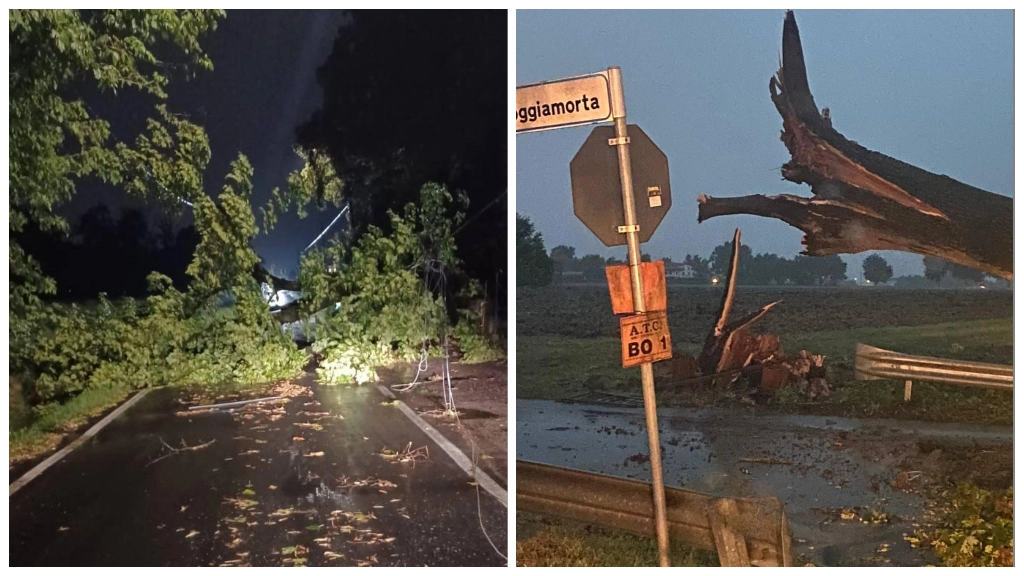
192, 534
315, 454
332, 555
314, 527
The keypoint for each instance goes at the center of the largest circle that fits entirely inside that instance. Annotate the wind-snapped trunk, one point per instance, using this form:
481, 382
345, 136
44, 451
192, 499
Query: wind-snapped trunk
864, 200
730, 346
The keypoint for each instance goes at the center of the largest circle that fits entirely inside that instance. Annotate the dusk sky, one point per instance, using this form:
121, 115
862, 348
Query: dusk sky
931, 88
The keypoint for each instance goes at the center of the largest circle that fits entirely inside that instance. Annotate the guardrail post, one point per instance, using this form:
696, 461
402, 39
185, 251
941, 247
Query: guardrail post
906, 390
729, 543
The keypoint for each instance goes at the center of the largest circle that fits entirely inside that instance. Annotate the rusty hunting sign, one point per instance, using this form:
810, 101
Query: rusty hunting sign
645, 338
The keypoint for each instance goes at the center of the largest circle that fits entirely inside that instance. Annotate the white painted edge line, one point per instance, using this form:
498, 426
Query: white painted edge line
460, 458
61, 454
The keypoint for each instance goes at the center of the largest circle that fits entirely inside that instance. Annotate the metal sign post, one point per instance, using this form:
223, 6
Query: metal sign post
621, 141
591, 99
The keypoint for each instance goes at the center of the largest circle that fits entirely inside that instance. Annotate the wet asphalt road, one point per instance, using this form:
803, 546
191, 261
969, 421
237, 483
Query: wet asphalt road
311, 481
818, 466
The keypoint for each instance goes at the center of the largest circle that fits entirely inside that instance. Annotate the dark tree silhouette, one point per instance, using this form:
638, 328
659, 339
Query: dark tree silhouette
114, 256
533, 266
394, 117
877, 270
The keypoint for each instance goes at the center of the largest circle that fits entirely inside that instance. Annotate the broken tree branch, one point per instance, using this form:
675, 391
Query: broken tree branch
184, 448
865, 200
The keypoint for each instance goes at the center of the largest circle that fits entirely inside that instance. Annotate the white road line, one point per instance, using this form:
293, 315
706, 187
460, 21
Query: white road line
460, 458
57, 457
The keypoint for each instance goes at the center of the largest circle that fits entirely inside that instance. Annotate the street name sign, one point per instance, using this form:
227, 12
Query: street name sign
561, 103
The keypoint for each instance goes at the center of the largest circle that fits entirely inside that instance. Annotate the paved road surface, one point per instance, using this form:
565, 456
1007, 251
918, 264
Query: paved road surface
310, 481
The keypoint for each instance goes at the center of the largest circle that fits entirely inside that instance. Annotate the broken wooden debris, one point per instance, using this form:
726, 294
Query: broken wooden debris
864, 200
731, 349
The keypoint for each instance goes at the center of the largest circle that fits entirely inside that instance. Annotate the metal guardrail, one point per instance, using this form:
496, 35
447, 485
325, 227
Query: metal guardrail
878, 364
744, 531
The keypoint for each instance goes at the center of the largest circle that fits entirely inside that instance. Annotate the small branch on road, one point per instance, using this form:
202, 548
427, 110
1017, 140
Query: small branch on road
408, 455
184, 448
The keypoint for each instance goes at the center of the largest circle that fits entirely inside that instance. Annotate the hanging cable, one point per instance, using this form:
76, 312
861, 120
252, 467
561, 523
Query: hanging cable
317, 239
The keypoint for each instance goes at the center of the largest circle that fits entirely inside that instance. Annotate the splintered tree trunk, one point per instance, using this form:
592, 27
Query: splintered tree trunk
729, 346
864, 200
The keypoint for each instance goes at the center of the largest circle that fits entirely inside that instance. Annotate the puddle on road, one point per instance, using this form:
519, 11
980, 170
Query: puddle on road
817, 472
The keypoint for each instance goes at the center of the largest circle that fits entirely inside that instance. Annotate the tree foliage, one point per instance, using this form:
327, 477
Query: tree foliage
388, 297
55, 140
398, 114
217, 331
533, 266
876, 269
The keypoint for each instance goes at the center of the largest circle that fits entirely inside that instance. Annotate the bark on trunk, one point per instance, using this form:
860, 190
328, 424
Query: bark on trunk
865, 200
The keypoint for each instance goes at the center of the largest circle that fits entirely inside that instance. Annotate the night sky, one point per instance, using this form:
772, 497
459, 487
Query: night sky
262, 87
932, 88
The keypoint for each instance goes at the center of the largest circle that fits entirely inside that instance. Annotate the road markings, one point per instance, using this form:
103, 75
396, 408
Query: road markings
61, 454
460, 458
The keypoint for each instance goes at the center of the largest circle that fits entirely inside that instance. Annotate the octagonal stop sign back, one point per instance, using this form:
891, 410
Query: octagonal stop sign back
597, 193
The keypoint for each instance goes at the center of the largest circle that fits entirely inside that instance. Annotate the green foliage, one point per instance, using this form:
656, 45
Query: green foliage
976, 527
316, 182
533, 265
154, 343
385, 310
55, 140
473, 346
224, 259
172, 337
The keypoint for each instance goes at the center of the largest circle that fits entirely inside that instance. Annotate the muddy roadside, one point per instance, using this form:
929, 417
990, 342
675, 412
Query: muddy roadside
480, 392
852, 488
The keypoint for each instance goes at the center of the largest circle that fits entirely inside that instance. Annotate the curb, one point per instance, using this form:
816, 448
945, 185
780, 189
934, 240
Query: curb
460, 458
62, 453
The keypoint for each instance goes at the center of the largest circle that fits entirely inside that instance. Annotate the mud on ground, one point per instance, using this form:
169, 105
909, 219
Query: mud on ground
481, 400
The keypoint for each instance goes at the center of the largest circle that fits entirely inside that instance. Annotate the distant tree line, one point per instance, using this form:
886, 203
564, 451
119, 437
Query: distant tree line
112, 254
537, 267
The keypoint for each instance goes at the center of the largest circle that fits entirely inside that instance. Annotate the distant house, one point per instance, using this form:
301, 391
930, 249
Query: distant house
681, 271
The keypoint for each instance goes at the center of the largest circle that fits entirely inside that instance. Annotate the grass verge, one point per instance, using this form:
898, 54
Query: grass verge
53, 422
556, 368
542, 541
